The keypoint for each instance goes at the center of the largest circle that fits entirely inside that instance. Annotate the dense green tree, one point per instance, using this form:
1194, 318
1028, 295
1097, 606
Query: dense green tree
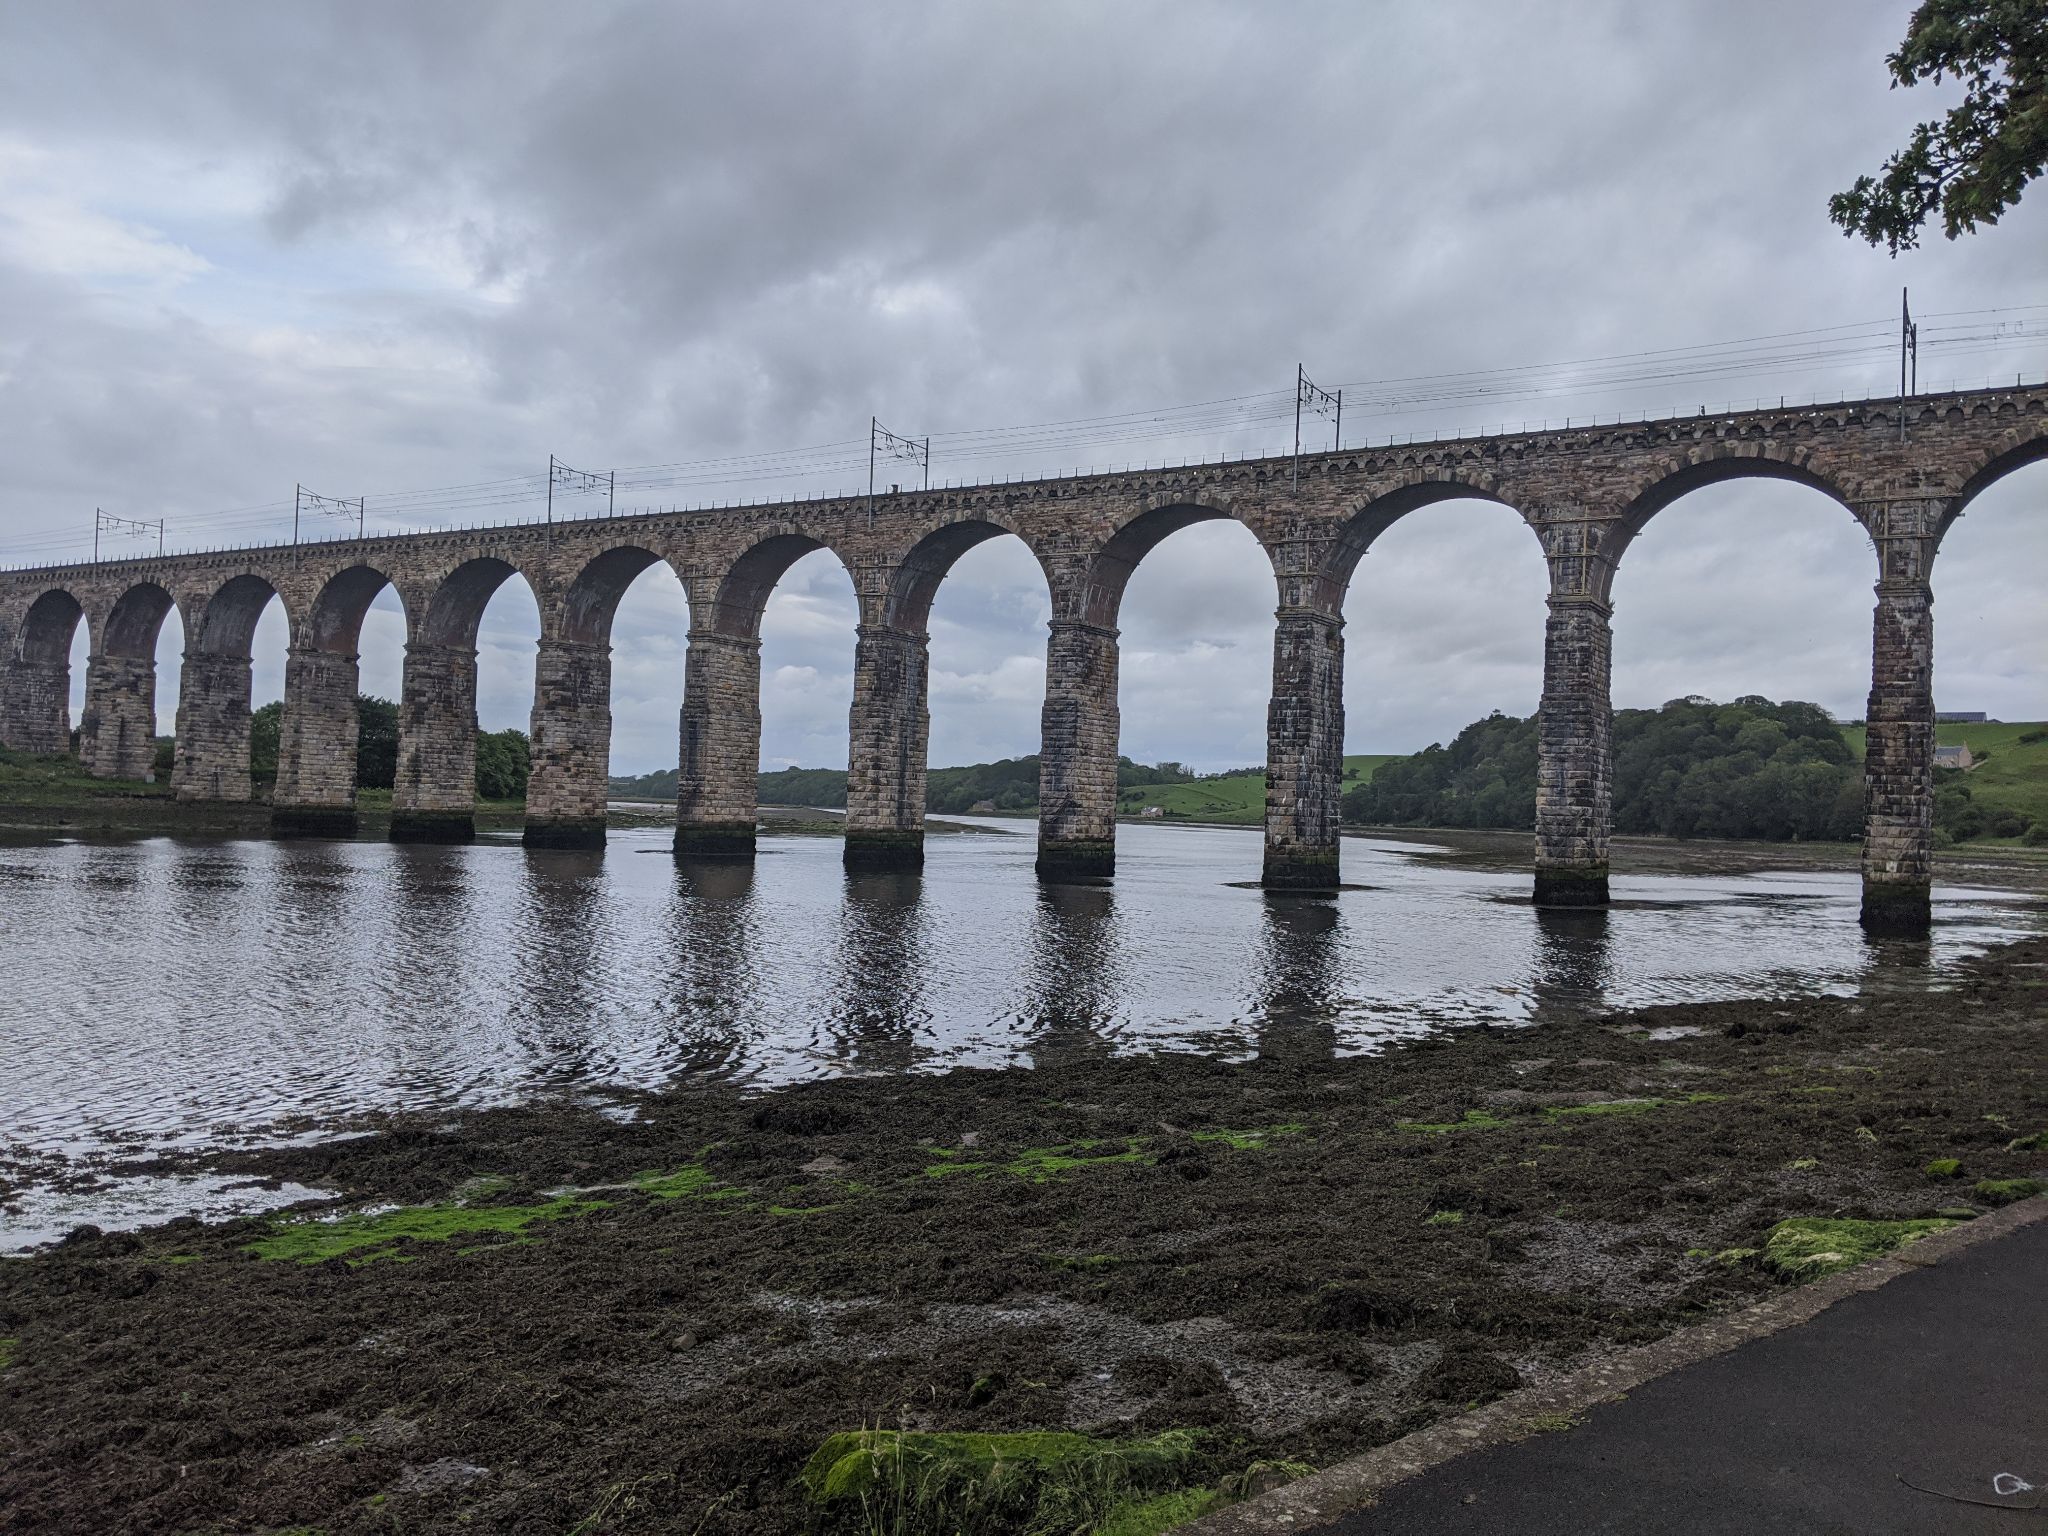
1973, 164
376, 742
264, 726
1694, 768
503, 759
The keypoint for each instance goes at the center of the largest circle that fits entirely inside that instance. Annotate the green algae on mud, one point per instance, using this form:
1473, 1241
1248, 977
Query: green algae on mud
674, 1360
1808, 1247
8, 1349
2005, 1191
927, 1483
366, 1237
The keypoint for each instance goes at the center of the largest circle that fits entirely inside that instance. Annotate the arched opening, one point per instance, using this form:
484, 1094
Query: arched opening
770, 677
328, 741
117, 727
230, 693
1443, 641
605, 698
985, 615
1741, 633
48, 676
1166, 659
1989, 645
1196, 627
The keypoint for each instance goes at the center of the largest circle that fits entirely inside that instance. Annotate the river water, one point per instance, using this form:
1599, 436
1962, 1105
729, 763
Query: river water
170, 993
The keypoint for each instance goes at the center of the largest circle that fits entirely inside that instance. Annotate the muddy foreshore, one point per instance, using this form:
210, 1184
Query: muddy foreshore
582, 1320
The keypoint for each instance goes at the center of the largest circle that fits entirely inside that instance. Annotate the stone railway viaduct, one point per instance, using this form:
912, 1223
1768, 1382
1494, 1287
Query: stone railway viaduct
1584, 494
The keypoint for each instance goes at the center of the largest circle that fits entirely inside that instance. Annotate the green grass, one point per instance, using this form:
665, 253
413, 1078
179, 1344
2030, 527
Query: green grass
1234, 798
2014, 778
29, 780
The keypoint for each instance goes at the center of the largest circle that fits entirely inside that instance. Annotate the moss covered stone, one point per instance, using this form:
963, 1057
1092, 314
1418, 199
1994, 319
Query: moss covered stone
915, 1482
8, 1347
1807, 1247
1944, 1168
2005, 1191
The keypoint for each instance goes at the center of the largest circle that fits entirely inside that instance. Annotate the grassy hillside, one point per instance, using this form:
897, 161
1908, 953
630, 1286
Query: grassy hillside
1230, 797
2014, 776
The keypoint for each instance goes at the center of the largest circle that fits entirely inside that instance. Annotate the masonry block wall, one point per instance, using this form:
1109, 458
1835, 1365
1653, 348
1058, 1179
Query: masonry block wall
1904, 472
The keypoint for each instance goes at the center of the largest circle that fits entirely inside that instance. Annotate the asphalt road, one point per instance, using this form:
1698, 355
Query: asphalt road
1938, 1380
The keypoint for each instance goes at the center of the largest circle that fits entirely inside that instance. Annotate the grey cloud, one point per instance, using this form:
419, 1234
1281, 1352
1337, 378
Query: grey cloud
448, 240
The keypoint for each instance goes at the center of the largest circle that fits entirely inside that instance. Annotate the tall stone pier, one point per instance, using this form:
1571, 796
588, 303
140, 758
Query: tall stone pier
433, 799
1305, 752
1574, 755
717, 788
571, 736
315, 794
889, 729
212, 761
117, 731
1077, 753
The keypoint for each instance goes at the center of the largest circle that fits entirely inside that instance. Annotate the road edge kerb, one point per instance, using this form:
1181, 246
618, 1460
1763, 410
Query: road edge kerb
1335, 1491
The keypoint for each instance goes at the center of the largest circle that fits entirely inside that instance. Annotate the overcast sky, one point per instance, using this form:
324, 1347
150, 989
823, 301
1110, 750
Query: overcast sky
376, 247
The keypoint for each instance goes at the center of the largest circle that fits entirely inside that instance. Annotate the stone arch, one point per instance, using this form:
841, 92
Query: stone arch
1988, 474
454, 610
1100, 593
917, 576
47, 628
35, 706
132, 624
591, 601
1375, 516
225, 624
741, 596
1711, 465
334, 623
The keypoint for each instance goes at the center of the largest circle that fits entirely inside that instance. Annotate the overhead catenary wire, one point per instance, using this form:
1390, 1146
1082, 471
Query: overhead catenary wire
1956, 335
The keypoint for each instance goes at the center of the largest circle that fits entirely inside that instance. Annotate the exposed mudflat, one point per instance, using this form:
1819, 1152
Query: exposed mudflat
644, 1314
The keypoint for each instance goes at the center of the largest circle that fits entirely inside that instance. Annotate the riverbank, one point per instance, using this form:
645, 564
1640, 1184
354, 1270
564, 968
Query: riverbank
649, 1311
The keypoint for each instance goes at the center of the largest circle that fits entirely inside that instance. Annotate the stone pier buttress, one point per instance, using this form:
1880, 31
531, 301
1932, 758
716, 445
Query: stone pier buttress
117, 728
718, 784
1574, 754
316, 749
572, 740
212, 760
891, 726
1305, 752
434, 797
1898, 760
1077, 753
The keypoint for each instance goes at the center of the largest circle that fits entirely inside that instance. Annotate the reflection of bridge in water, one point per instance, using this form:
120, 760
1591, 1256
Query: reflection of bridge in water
1584, 493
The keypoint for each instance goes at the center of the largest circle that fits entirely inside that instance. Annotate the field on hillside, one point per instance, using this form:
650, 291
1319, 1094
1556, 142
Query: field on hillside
2015, 774
1231, 797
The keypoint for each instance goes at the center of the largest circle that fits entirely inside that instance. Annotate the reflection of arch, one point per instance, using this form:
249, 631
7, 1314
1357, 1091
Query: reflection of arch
336, 622
226, 626
455, 611
133, 624
744, 590
1729, 464
1373, 519
930, 561
592, 599
1109, 573
47, 628
1994, 470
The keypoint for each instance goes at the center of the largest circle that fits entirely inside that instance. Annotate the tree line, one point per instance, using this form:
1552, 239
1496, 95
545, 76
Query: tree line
1694, 768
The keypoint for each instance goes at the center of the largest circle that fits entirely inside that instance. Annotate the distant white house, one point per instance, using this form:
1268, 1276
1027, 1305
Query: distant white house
1153, 812
1954, 757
